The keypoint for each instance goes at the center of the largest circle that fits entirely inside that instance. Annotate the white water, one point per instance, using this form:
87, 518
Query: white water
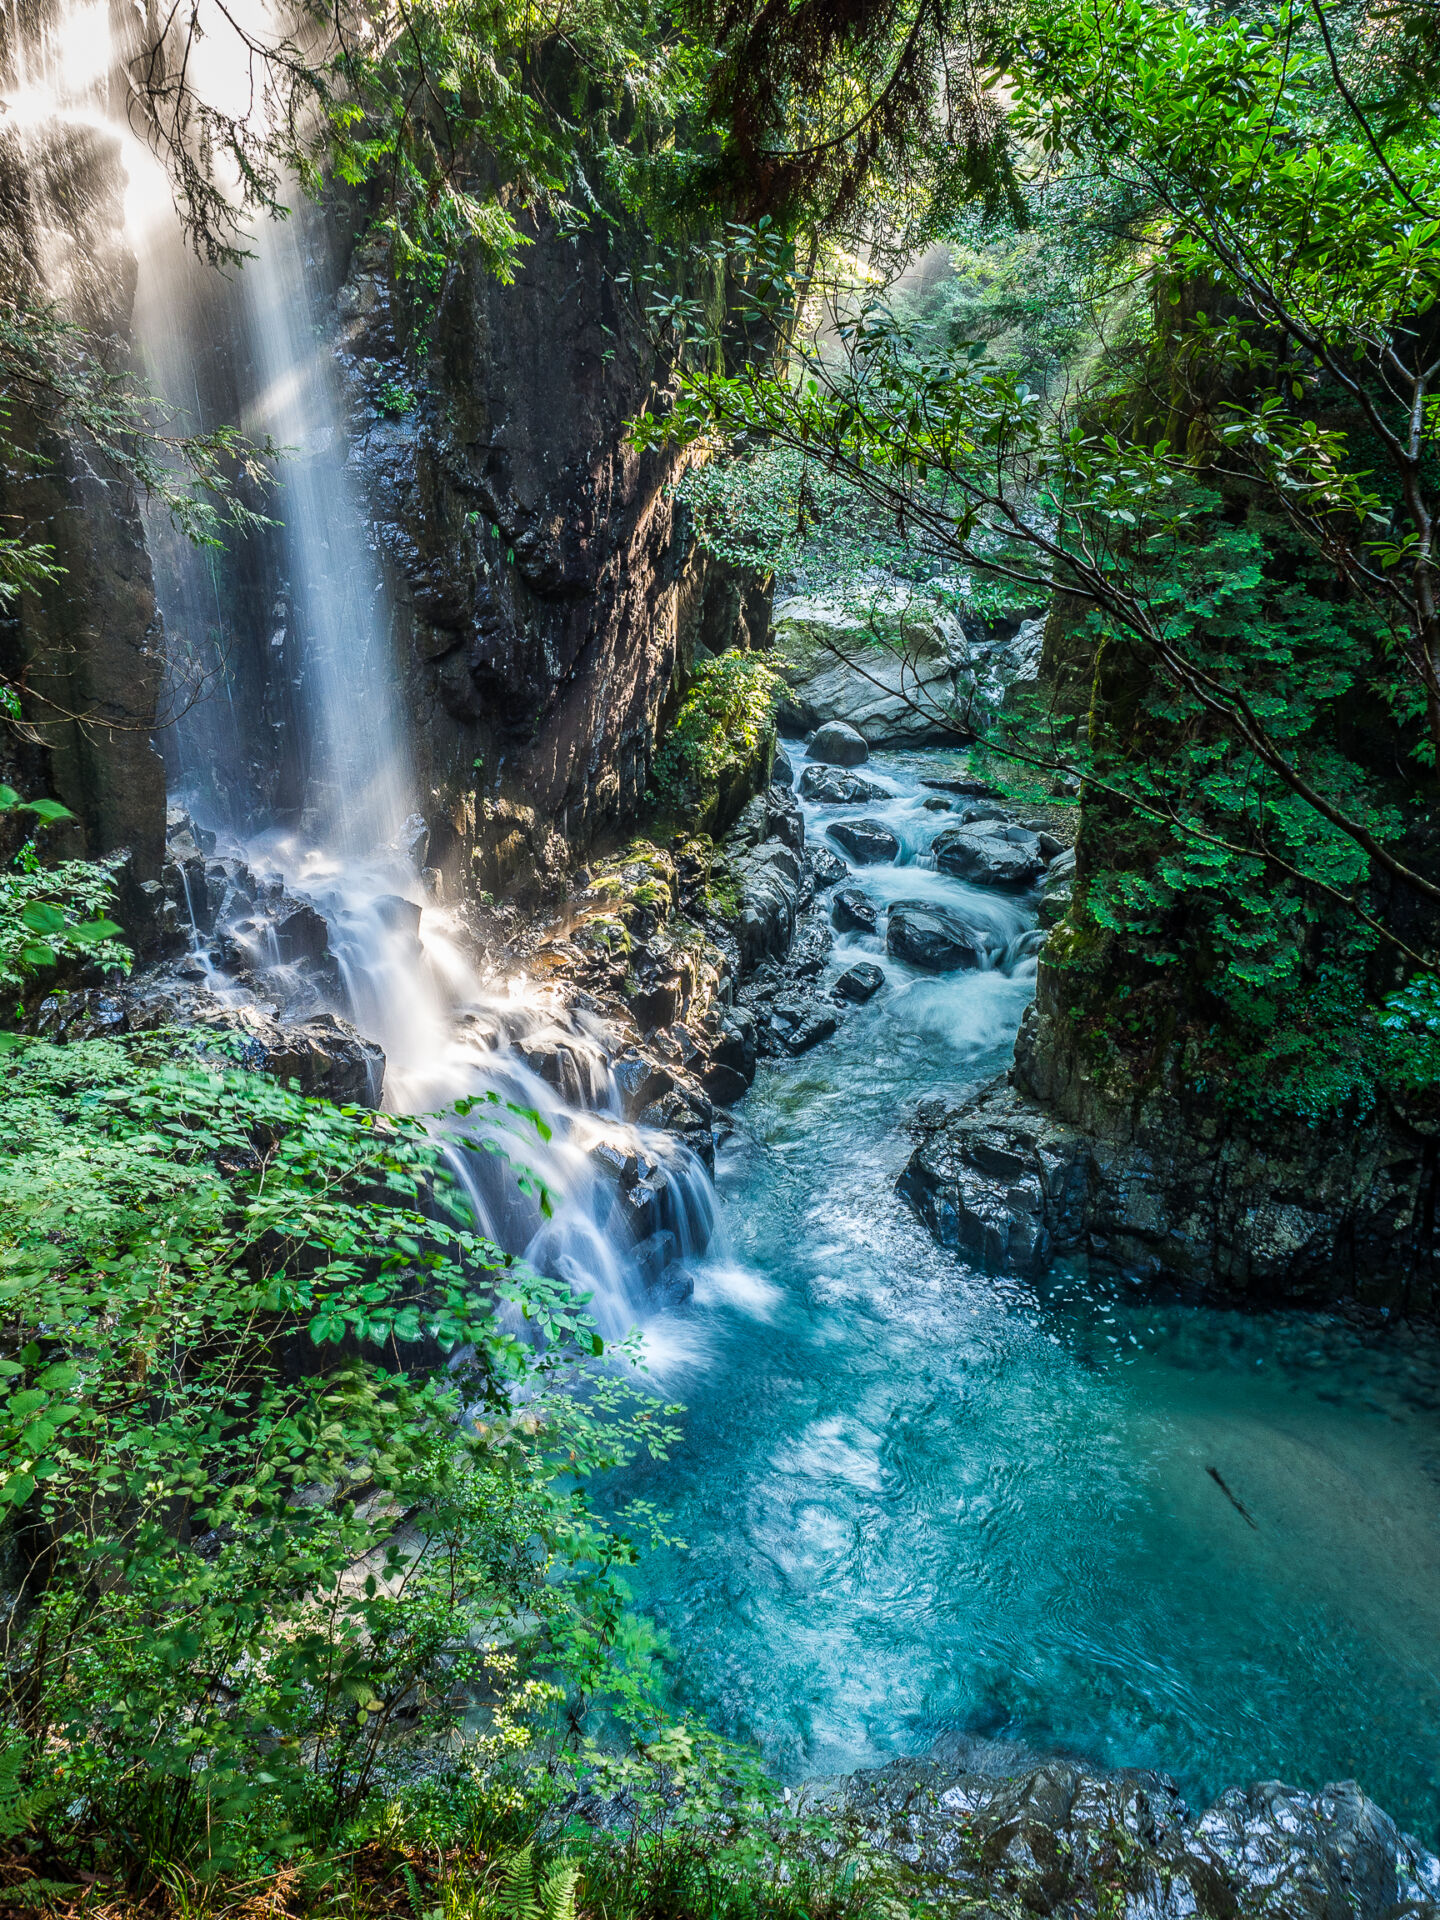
919, 1502
258, 342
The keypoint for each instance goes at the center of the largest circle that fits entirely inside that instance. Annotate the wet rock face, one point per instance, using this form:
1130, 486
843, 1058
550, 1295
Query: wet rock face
550, 597
324, 1055
1168, 1196
919, 684
998, 1183
89, 649
1052, 1839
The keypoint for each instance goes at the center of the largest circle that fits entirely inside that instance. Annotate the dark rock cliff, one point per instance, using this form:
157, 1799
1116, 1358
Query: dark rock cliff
548, 601
1119, 1139
549, 598
84, 650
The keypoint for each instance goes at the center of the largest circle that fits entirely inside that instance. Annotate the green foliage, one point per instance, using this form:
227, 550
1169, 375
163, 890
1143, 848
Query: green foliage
259, 1539
53, 914
723, 727
462, 122
1234, 483
61, 380
395, 399
701, 1835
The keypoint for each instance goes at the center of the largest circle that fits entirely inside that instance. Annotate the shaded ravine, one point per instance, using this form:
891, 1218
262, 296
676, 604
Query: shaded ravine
919, 1502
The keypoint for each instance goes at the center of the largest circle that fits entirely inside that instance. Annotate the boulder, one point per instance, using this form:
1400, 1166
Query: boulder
852, 912
301, 933
782, 773
827, 869
989, 859
859, 983
325, 1055
866, 842
397, 913
898, 692
839, 744
801, 1027
1053, 1840
811, 950
724, 1084
735, 1045
770, 888
833, 787
976, 789
654, 1254
639, 1082
936, 805
772, 815
933, 938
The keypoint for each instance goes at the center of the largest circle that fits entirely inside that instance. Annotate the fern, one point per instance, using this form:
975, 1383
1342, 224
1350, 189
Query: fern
20, 1806
516, 1899
519, 1897
557, 1893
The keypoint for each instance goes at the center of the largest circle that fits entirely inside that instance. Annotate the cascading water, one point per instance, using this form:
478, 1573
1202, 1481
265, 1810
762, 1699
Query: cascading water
924, 1506
361, 785
626, 1206
921, 1504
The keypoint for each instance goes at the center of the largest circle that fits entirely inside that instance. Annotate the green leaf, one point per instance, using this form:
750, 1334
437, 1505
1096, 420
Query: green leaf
43, 918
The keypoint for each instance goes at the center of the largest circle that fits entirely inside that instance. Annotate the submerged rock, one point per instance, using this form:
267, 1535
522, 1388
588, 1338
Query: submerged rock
859, 983
865, 841
798, 1028
838, 743
933, 938
852, 912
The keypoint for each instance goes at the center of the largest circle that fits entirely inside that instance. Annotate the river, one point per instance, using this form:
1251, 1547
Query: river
919, 1502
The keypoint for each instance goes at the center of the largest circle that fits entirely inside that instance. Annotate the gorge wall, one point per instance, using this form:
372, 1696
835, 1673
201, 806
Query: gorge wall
86, 648
1127, 1133
546, 601
550, 598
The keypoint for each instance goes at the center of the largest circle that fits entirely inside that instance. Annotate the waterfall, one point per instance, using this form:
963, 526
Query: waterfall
361, 786
613, 1208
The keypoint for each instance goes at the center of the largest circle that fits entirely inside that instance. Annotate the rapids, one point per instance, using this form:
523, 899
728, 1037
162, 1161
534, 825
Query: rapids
920, 1503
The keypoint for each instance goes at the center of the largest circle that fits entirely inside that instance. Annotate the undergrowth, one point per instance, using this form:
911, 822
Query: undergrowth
724, 727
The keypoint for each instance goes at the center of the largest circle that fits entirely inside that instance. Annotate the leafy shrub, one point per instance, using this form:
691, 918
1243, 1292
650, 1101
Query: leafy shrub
52, 914
261, 1534
395, 399
723, 726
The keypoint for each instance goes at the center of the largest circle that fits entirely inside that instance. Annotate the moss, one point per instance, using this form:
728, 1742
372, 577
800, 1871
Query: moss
723, 738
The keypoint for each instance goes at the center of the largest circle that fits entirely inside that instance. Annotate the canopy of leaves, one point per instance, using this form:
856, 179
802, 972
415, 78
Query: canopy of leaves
1229, 470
